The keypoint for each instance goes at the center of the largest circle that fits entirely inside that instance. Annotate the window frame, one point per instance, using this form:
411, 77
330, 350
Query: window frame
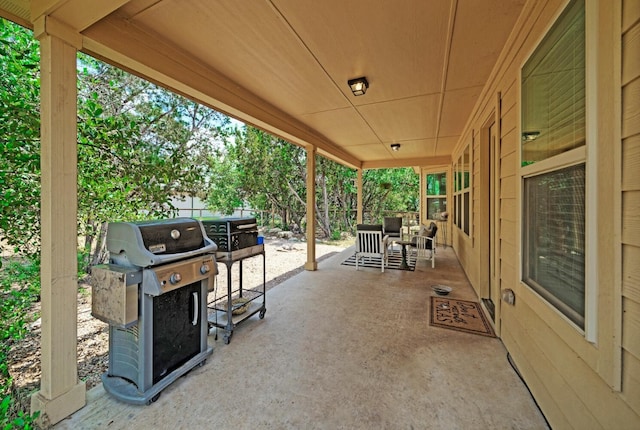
586, 154
436, 196
462, 190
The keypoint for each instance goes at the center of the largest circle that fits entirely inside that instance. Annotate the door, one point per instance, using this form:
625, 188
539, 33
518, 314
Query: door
176, 329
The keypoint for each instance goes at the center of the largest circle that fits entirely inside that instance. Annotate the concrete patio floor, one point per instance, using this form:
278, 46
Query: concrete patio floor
341, 349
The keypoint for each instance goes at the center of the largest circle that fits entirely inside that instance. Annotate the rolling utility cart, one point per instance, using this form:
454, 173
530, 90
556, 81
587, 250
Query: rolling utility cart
237, 240
238, 304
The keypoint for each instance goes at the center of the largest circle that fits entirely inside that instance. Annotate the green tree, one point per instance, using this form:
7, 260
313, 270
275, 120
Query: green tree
139, 146
270, 174
19, 139
266, 172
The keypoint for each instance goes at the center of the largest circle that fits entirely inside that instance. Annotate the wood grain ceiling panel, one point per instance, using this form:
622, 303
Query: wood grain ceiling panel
250, 44
456, 108
80, 14
406, 119
481, 29
398, 45
370, 152
414, 149
445, 145
343, 126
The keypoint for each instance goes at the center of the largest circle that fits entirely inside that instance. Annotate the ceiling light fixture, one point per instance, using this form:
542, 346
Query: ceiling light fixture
358, 85
395, 147
528, 136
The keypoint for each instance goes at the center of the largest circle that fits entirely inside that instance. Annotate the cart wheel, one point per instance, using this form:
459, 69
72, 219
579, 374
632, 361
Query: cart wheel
227, 339
262, 312
202, 363
154, 398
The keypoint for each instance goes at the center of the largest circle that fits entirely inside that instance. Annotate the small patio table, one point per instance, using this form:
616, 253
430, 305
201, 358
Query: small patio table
404, 265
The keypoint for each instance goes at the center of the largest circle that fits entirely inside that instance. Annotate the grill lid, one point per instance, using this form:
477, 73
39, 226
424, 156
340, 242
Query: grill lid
150, 243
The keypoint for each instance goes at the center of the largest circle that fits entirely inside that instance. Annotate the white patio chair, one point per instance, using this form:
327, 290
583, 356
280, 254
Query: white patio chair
370, 242
425, 246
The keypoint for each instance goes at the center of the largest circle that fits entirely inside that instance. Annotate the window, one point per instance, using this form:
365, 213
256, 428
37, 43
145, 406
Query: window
462, 191
554, 166
436, 195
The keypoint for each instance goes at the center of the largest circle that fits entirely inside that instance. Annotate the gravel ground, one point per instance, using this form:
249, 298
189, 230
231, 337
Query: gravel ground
284, 258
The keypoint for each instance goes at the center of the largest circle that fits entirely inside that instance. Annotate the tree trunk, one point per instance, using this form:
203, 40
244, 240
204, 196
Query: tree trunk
100, 250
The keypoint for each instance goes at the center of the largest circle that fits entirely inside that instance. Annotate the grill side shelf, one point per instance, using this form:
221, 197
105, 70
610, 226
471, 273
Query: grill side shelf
114, 297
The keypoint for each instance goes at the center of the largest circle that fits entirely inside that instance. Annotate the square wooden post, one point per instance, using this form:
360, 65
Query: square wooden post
359, 216
311, 263
61, 393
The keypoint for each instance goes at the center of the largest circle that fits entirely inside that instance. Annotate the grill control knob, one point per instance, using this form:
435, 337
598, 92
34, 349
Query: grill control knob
204, 269
175, 278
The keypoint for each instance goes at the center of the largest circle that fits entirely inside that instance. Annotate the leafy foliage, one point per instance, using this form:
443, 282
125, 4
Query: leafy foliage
19, 139
138, 146
19, 288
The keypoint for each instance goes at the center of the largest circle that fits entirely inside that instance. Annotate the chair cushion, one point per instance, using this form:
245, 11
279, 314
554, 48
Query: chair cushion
369, 227
392, 224
433, 229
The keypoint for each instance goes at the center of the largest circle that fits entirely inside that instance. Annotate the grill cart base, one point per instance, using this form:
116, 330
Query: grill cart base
222, 308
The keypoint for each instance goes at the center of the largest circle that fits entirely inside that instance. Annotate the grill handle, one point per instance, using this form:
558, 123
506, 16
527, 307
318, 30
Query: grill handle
195, 309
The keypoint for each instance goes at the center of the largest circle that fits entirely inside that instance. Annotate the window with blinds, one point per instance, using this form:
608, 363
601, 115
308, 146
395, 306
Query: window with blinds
555, 236
554, 165
553, 90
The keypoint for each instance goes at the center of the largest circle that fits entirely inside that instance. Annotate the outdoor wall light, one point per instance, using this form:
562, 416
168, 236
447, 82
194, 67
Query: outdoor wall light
528, 136
358, 86
395, 147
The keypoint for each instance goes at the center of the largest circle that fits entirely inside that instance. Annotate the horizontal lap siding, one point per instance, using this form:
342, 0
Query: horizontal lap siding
579, 393
630, 109
631, 380
631, 218
631, 273
631, 163
631, 203
559, 366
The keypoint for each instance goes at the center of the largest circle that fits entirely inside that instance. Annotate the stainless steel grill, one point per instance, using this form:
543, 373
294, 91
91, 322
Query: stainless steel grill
153, 294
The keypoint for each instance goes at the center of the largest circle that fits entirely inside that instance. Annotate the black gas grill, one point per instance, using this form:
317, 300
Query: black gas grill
232, 234
153, 294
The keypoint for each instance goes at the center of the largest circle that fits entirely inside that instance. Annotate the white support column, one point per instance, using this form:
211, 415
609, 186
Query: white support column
311, 263
61, 393
359, 191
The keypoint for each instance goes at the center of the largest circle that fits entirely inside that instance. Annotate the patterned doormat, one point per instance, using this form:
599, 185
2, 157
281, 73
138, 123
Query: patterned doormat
394, 261
461, 315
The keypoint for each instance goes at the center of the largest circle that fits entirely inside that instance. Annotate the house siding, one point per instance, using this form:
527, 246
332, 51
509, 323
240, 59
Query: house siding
631, 203
578, 384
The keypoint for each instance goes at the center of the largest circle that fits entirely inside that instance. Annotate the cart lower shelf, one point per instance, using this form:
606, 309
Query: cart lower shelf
221, 308
219, 318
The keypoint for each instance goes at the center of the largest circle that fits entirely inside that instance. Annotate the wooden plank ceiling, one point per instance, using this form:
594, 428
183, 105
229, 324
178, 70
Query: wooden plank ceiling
283, 65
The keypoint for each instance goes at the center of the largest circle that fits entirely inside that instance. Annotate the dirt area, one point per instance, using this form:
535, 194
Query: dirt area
284, 258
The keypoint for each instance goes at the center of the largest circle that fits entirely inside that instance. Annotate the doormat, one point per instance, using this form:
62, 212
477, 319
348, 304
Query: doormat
394, 261
461, 315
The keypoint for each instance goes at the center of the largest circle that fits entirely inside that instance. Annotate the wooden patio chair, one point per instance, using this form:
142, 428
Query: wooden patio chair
370, 242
